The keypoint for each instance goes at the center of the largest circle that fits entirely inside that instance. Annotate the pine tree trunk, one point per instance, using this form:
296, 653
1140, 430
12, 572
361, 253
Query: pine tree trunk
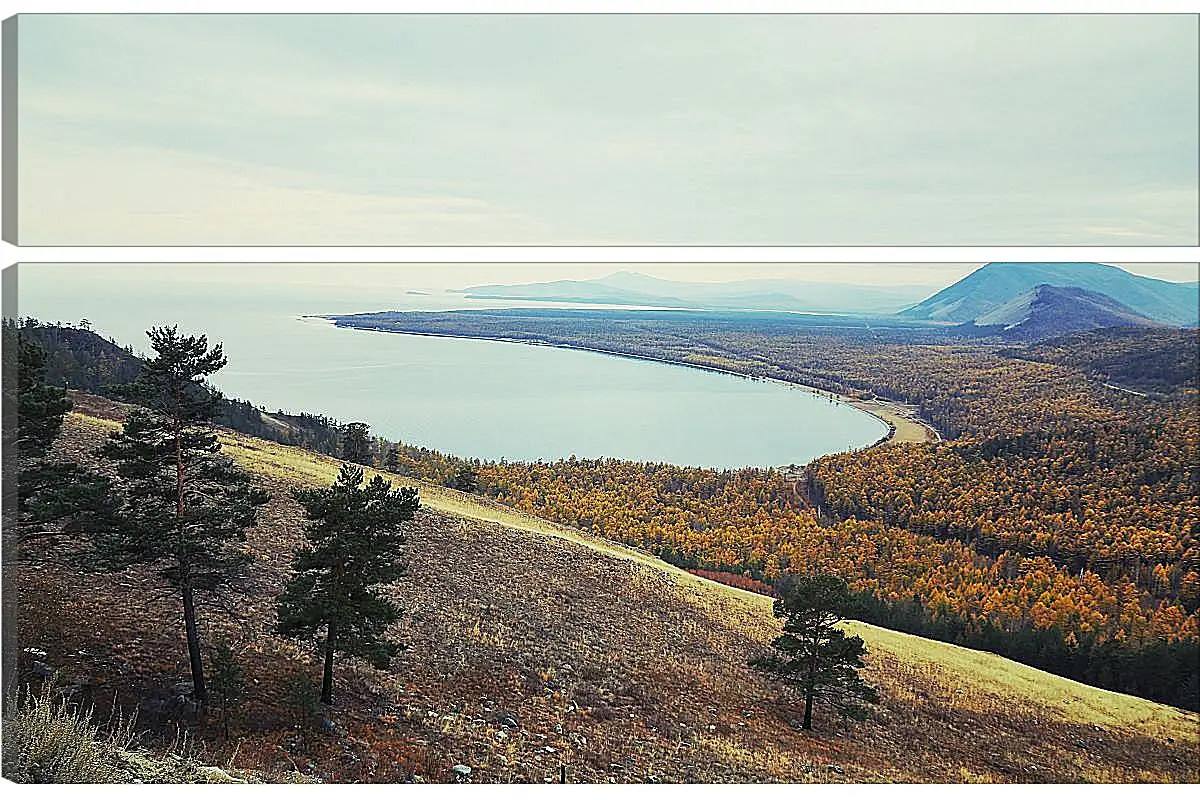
327, 679
199, 692
810, 690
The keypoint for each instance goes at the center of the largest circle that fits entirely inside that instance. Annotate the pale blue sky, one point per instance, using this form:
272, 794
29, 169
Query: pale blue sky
937, 129
45, 277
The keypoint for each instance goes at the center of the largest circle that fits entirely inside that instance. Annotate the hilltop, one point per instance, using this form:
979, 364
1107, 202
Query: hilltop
534, 645
1048, 311
995, 284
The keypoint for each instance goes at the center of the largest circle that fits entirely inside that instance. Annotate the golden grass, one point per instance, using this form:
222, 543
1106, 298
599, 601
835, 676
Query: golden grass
1006, 680
47, 741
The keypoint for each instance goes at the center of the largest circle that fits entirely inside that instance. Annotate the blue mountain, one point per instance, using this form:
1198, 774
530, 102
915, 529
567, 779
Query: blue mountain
996, 284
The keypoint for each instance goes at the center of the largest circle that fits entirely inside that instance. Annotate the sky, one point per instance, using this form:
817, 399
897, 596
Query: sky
440, 277
615, 129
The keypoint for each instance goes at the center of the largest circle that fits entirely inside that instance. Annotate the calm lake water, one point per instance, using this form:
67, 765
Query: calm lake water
472, 398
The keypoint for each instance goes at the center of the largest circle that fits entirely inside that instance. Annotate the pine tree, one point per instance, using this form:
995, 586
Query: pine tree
41, 497
53, 497
813, 655
40, 408
228, 682
184, 507
353, 546
356, 443
464, 479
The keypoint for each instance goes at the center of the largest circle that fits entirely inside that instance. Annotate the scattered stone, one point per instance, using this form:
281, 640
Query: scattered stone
506, 718
36, 652
217, 775
332, 728
835, 768
461, 772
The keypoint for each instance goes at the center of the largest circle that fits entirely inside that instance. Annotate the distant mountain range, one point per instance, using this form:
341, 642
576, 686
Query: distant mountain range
1047, 311
995, 285
627, 288
1025, 301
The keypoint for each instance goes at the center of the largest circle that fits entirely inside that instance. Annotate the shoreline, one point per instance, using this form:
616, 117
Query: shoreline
903, 428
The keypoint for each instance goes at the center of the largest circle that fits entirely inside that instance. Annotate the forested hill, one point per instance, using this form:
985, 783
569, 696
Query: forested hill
77, 358
1160, 362
80, 359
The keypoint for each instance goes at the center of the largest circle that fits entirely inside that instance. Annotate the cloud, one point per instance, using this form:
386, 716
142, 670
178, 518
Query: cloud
93, 196
614, 129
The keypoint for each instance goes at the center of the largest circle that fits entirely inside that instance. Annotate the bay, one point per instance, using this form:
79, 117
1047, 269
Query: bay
473, 398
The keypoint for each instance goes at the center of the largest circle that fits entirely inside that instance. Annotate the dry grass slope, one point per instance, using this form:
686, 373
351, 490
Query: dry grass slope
533, 646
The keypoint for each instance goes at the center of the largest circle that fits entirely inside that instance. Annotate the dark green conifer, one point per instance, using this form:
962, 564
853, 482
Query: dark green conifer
356, 443
354, 547
228, 682
184, 507
464, 479
813, 656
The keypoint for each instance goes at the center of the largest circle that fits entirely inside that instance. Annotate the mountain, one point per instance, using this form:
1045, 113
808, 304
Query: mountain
995, 284
569, 291
534, 646
1047, 311
761, 294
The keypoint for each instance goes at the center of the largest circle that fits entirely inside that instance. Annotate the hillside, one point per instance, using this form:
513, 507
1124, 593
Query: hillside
534, 646
1157, 361
1048, 311
995, 284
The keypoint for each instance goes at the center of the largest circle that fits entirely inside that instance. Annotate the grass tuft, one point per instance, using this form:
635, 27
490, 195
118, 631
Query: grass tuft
48, 741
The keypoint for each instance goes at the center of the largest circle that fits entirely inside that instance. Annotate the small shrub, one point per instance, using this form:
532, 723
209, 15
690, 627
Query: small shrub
47, 741
228, 682
304, 699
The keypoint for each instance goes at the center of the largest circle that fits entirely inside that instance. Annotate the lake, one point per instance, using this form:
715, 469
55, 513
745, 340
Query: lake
471, 398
